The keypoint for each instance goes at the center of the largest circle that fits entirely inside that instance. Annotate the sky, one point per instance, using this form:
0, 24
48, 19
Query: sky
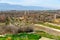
42, 3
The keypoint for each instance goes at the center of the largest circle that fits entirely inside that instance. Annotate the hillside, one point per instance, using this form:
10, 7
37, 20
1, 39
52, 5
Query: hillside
6, 6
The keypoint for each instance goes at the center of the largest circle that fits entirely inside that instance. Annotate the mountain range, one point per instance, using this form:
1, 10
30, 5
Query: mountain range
6, 6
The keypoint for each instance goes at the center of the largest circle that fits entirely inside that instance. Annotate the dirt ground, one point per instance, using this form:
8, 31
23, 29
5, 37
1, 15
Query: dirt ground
43, 38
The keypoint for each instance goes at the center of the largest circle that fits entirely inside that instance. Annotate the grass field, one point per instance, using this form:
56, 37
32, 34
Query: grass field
21, 36
29, 36
44, 34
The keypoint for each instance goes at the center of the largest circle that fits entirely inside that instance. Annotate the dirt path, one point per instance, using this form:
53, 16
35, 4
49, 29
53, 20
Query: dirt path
47, 29
54, 24
43, 38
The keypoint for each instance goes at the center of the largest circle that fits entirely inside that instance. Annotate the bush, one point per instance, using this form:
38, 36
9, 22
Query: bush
8, 29
12, 29
25, 29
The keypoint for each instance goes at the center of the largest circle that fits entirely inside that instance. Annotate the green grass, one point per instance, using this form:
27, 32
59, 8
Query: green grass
22, 36
49, 25
32, 36
44, 34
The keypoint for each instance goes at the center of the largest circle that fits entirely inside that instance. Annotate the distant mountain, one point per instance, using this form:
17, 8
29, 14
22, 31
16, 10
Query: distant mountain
6, 6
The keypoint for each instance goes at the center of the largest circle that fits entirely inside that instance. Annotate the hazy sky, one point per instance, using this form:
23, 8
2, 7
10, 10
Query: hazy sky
43, 3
